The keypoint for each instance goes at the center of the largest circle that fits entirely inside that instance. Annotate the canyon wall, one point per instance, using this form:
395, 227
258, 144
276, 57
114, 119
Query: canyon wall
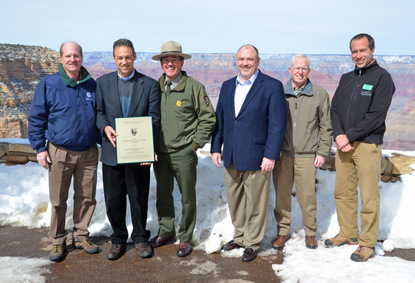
22, 67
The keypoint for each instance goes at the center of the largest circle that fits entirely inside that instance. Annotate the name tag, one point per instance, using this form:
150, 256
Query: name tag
367, 87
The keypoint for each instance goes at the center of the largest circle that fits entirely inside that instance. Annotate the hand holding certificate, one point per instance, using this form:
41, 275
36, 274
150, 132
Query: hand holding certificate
134, 140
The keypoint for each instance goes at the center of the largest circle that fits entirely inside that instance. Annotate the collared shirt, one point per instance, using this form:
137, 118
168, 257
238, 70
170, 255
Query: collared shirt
242, 90
127, 78
174, 82
299, 91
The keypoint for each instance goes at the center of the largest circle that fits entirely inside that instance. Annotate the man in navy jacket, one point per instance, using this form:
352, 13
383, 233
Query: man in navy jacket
251, 121
63, 113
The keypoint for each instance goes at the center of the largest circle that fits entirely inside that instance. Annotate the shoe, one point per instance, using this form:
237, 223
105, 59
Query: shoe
249, 254
231, 245
161, 241
339, 240
87, 246
144, 250
116, 251
310, 242
362, 254
184, 249
279, 243
58, 253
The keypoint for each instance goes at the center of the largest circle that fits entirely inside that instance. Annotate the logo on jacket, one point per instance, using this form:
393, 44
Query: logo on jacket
88, 96
206, 99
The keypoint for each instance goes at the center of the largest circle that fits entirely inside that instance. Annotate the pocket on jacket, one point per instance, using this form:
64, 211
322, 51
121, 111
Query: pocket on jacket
259, 141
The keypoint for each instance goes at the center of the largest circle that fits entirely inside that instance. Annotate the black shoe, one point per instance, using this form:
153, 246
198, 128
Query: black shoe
116, 251
184, 249
161, 241
249, 254
231, 245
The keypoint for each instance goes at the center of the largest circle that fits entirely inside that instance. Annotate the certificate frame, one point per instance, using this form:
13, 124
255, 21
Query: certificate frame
134, 141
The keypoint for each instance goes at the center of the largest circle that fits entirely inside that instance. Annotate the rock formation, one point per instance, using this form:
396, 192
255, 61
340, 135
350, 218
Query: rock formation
21, 68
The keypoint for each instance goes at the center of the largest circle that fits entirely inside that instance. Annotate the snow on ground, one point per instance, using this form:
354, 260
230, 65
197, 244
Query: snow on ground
18, 269
24, 202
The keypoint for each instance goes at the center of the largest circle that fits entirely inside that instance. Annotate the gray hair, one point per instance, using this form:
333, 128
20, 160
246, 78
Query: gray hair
300, 56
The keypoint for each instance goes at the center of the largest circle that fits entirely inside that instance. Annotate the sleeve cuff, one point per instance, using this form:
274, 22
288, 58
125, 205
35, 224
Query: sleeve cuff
40, 149
194, 146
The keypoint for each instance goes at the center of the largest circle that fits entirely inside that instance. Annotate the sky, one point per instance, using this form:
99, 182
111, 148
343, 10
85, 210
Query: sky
27, 192
215, 26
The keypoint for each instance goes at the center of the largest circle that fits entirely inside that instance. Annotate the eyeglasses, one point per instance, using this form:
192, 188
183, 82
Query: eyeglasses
296, 69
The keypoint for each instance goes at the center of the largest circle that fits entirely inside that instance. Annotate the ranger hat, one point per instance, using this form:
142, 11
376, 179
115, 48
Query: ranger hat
171, 48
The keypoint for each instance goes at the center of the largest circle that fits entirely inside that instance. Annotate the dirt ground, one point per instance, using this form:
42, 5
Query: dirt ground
164, 266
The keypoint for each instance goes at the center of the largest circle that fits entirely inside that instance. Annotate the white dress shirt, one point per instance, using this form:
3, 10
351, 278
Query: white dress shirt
242, 90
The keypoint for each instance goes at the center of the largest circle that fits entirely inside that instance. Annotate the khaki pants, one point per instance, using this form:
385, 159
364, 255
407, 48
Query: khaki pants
302, 172
248, 200
82, 165
359, 167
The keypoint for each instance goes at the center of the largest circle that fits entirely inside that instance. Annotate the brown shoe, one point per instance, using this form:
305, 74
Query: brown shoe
184, 249
87, 246
144, 250
116, 251
249, 254
231, 245
310, 242
58, 253
279, 243
362, 254
339, 240
161, 241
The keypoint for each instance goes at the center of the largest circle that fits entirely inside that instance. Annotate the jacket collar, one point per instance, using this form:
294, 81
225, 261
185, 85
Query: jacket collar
308, 90
180, 86
256, 86
69, 81
365, 69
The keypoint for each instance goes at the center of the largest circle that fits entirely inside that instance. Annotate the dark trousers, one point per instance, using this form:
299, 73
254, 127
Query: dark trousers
120, 181
181, 166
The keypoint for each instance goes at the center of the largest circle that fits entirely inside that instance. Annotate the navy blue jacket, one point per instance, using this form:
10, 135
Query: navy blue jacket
63, 112
259, 128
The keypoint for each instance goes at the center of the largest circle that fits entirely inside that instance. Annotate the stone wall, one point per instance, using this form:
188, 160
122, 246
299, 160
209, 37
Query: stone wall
14, 153
392, 166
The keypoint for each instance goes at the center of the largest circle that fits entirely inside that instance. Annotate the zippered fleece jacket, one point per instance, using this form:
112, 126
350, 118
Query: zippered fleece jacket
360, 104
308, 122
187, 116
63, 112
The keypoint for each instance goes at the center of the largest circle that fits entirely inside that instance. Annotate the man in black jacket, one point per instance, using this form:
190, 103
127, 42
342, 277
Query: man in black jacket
358, 112
120, 94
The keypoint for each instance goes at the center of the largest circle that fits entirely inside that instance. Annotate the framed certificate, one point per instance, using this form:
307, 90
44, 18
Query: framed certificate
134, 142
